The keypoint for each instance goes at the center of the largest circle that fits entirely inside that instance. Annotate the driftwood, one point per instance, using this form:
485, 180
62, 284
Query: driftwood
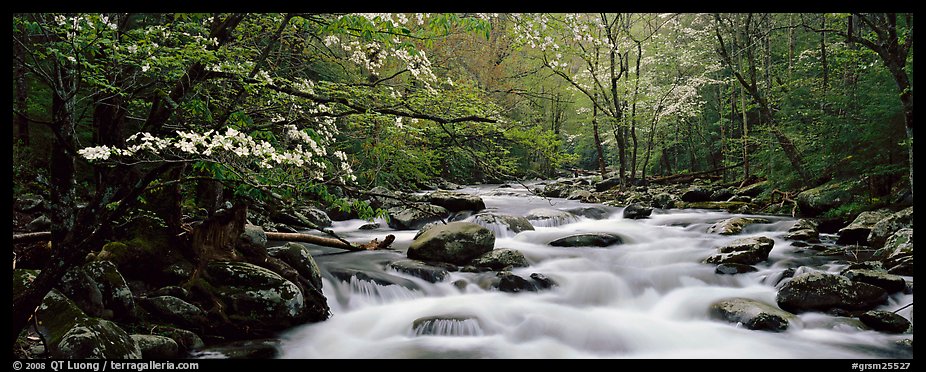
31, 237
688, 177
785, 197
329, 242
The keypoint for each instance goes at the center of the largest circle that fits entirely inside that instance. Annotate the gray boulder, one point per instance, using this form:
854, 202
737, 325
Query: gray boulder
172, 310
496, 222
99, 290
500, 259
550, 217
696, 194
883, 229
885, 321
857, 232
420, 269
747, 251
897, 253
40, 223
820, 199
665, 200
752, 314
804, 230
415, 216
889, 282
582, 195
636, 211
256, 298
457, 201
734, 268
594, 212
588, 240
456, 242
317, 217
297, 256
733, 225
156, 347
822, 292
71, 334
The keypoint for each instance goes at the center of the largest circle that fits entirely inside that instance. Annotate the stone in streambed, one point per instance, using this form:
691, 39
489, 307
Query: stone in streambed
857, 232
172, 310
456, 242
889, 282
823, 292
752, 314
499, 259
885, 321
733, 225
747, 251
886, 227
156, 347
636, 211
588, 240
514, 224
416, 216
455, 201
420, 269
734, 268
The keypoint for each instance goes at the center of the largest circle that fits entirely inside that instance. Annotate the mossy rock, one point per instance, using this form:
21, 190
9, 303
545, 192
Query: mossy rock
255, 298
99, 290
823, 292
456, 242
71, 334
142, 259
753, 314
821, 199
156, 347
499, 259
298, 257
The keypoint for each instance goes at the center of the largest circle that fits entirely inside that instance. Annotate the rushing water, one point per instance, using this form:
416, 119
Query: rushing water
646, 298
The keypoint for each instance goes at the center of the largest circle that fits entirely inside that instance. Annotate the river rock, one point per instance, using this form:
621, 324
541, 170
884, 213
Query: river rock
723, 194
607, 184
246, 349
889, 282
550, 217
820, 199
297, 256
588, 240
885, 321
456, 201
542, 281
172, 310
883, 229
734, 268
897, 253
582, 195
594, 212
71, 334
804, 230
665, 200
818, 291
696, 194
857, 232
496, 222
420, 269
258, 299
734, 225
253, 241
746, 251
499, 259
185, 340
316, 216
752, 314
414, 217
456, 242
636, 211
156, 347
99, 290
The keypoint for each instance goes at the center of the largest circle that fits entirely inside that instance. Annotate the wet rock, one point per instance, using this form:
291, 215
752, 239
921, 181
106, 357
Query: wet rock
734, 268
298, 257
823, 292
889, 282
732, 207
723, 194
515, 224
421, 270
456, 242
899, 253
172, 310
499, 259
512, 283
40, 223
594, 212
369, 226
857, 232
258, 299
820, 199
177, 272
588, 240
99, 290
883, 229
804, 230
696, 194
71, 334
248, 349
607, 184
317, 217
550, 217
455, 201
542, 281
885, 321
583, 195
636, 211
747, 251
733, 225
414, 217
752, 314
185, 340
156, 347
665, 200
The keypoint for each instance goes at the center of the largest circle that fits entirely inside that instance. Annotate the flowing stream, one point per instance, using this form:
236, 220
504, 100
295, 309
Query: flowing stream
646, 298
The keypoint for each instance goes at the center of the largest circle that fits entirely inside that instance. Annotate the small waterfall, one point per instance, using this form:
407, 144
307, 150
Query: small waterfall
449, 326
372, 293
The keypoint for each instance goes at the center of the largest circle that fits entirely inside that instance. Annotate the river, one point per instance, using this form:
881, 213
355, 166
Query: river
646, 298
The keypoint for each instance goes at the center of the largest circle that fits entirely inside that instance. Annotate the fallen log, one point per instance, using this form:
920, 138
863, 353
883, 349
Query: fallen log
330, 242
688, 177
31, 237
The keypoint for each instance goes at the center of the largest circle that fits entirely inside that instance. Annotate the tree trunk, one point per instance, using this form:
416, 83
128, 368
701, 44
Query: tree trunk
633, 114
601, 164
823, 62
745, 136
22, 92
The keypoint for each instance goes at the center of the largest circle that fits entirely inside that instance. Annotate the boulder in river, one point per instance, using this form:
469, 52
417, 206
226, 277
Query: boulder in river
457, 201
550, 217
297, 256
883, 229
752, 314
818, 291
696, 194
636, 211
584, 196
815, 201
857, 232
746, 251
247, 349
595, 212
804, 230
499, 259
889, 282
456, 242
734, 225
885, 321
156, 347
420, 269
665, 200
497, 222
588, 240
897, 253
734, 268
415, 216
